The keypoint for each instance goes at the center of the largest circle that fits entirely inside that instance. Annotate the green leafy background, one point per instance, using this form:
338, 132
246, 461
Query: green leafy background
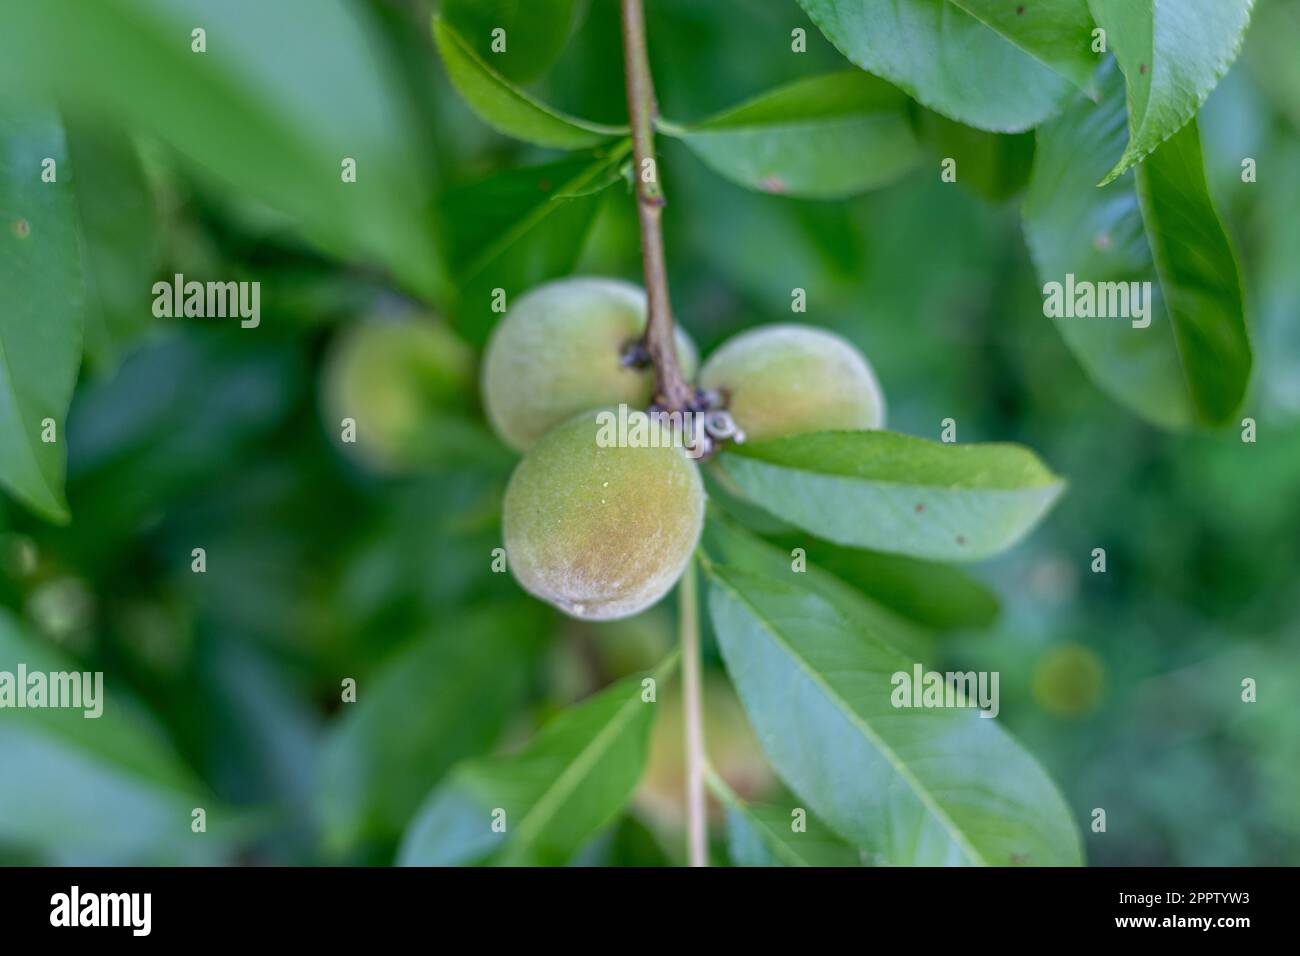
1121, 690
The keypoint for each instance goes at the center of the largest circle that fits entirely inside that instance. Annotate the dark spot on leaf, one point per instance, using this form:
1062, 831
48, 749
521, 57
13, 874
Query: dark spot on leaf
772, 184
21, 229
1020, 9
919, 507
1142, 68
544, 185
961, 539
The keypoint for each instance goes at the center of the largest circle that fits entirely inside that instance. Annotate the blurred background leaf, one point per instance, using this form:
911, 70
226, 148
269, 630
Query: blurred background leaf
90, 790
42, 307
269, 116
1159, 226
445, 697
119, 239
542, 804
534, 33
504, 106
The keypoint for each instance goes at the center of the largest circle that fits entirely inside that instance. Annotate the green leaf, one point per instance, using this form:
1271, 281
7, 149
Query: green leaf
726, 543
95, 790
896, 493
993, 165
1271, 55
1173, 55
759, 835
566, 786
937, 786
451, 694
504, 106
120, 248
535, 32
1156, 225
269, 115
932, 595
42, 309
517, 229
824, 137
994, 64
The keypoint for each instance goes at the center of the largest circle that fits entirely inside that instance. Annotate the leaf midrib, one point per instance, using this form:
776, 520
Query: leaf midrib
728, 796
541, 211
919, 789
1013, 42
519, 96
587, 756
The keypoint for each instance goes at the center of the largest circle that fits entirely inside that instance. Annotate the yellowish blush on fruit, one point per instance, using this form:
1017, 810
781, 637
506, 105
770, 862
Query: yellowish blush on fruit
781, 380
558, 351
601, 532
394, 378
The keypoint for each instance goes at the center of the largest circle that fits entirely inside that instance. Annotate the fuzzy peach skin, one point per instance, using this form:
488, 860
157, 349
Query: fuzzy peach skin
558, 352
601, 532
783, 380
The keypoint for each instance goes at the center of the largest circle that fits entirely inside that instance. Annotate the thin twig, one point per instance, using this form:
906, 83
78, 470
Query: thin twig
697, 838
672, 391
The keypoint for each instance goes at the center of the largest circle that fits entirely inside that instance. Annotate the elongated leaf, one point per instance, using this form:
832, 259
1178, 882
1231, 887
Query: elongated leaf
120, 249
517, 229
917, 786
932, 595
270, 115
726, 543
534, 32
42, 309
1157, 225
994, 165
896, 493
993, 64
1172, 55
567, 785
451, 693
504, 106
761, 835
1271, 55
95, 790
824, 137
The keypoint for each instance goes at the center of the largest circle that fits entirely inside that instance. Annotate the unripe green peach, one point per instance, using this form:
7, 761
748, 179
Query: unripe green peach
601, 532
1068, 680
558, 351
782, 380
392, 378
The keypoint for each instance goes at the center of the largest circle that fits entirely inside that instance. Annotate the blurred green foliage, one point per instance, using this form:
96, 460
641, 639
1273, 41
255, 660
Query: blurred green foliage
225, 686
